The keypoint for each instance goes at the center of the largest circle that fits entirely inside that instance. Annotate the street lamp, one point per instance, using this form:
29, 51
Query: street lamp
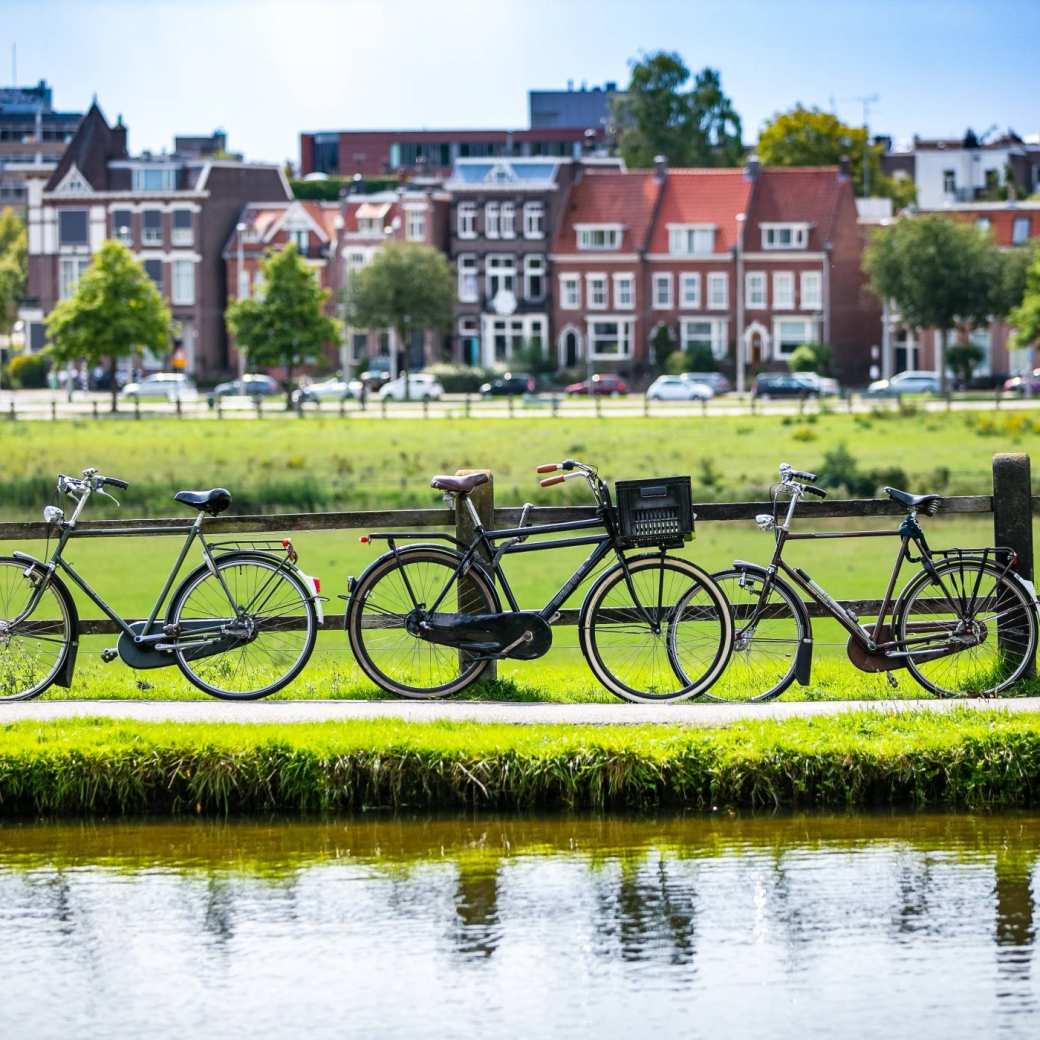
240, 228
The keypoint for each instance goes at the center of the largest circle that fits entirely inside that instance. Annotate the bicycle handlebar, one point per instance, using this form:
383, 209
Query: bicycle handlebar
812, 489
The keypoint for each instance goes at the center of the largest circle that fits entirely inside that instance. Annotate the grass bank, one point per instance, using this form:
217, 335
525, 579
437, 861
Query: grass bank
854, 761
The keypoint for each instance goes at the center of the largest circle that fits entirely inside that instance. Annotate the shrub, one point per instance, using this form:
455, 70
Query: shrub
699, 358
28, 371
811, 357
460, 379
675, 363
841, 470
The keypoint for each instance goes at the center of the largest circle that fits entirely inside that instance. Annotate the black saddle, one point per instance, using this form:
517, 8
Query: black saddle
213, 501
928, 504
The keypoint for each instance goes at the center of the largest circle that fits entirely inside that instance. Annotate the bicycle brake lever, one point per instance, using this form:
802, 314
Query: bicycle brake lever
98, 491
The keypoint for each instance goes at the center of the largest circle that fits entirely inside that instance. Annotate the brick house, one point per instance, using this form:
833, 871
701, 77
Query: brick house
174, 213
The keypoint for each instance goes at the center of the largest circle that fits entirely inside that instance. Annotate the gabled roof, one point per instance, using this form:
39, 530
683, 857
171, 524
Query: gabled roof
384, 206
719, 197
267, 219
620, 197
92, 146
797, 195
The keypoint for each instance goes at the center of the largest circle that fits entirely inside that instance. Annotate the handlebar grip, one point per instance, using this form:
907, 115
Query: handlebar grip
812, 489
548, 467
549, 481
116, 483
802, 474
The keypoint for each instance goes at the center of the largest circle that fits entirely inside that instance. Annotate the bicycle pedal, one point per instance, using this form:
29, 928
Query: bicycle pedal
109, 655
892, 680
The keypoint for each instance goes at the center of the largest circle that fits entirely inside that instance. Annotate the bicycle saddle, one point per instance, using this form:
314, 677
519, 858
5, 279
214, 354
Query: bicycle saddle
925, 503
459, 485
213, 501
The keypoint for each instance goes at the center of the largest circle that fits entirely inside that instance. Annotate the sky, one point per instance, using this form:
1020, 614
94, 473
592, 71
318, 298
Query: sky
264, 70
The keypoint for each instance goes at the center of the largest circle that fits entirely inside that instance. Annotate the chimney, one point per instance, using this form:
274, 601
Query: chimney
844, 168
660, 168
752, 168
119, 139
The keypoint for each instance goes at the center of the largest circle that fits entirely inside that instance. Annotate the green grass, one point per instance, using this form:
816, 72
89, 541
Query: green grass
857, 760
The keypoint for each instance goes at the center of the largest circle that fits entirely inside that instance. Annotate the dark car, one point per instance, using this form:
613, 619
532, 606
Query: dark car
509, 384
782, 385
606, 383
247, 386
1025, 384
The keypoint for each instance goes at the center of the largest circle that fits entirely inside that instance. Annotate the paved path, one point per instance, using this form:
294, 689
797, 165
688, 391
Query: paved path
477, 711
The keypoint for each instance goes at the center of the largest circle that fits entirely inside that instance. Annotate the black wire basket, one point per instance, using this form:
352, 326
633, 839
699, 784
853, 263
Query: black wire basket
658, 511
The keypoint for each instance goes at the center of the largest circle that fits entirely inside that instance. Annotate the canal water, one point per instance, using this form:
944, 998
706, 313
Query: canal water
721, 926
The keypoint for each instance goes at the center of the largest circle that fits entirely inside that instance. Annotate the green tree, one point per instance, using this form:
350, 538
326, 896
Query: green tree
663, 114
116, 310
962, 358
13, 267
810, 357
287, 325
1026, 316
662, 344
811, 137
939, 273
699, 358
408, 288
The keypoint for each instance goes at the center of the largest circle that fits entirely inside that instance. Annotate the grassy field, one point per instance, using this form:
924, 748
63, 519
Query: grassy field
106, 766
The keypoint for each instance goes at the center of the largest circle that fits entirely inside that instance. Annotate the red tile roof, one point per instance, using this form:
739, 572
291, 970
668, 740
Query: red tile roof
1002, 219
796, 194
610, 197
696, 196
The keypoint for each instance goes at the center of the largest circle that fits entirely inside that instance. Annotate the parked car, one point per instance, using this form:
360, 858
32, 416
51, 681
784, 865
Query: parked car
605, 383
173, 386
334, 389
1024, 384
421, 387
250, 385
782, 384
675, 388
716, 380
510, 384
905, 383
823, 385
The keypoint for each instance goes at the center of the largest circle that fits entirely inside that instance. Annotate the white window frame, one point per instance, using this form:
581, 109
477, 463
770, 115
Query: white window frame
691, 239
491, 220
168, 178
182, 283
1025, 224
468, 278
783, 290
415, 224
372, 227
983, 223
70, 271
301, 238
466, 220
624, 334
625, 291
243, 284
595, 284
811, 290
809, 327
534, 267
718, 291
507, 220
499, 266
570, 292
717, 338
534, 220
181, 236
755, 298
599, 238
151, 236
772, 235
662, 301
690, 290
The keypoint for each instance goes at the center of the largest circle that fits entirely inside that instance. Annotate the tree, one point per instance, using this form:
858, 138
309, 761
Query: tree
116, 310
661, 114
962, 358
288, 325
408, 288
810, 357
13, 267
663, 345
699, 358
810, 137
939, 273
1026, 316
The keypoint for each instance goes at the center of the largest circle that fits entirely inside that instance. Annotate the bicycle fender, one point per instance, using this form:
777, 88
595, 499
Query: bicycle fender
68, 666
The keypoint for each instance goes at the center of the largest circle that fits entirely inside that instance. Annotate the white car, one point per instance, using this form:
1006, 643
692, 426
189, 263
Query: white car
824, 386
421, 387
335, 389
174, 386
675, 388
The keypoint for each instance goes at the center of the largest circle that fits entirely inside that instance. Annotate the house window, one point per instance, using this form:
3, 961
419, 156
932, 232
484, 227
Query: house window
755, 290
151, 234
416, 227
145, 179
183, 291
718, 291
358, 346
610, 339
812, 290
599, 237
710, 333
596, 291
662, 284
1020, 231
153, 268
570, 292
690, 290
300, 238
534, 276
507, 220
69, 273
624, 291
983, 223
243, 284
509, 336
534, 220
182, 234
491, 226
467, 266
791, 333
122, 225
690, 239
783, 290
785, 236
466, 220
371, 227
500, 273
469, 340
950, 182
72, 227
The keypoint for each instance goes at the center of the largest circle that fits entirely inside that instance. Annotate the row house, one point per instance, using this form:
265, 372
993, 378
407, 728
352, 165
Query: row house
174, 213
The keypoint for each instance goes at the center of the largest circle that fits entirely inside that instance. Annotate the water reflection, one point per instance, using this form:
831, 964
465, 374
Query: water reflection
868, 925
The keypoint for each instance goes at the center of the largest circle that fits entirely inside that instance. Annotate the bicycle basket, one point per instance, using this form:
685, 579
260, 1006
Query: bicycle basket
655, 512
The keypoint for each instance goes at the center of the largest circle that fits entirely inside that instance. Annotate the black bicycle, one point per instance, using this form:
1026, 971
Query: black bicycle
425, 620
965, 623
239, 626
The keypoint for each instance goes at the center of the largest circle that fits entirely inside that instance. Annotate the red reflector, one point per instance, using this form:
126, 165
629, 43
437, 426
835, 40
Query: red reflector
286, 543
317, 584
364, 539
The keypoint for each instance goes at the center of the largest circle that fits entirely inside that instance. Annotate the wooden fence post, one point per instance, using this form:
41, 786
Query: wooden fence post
1013, 512
483, 499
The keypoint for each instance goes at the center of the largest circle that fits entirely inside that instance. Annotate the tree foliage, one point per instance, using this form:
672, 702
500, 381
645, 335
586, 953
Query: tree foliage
810, 357
1026, 316
962, 358
116, 310
13, 267
664, 114
662, 344
286, 326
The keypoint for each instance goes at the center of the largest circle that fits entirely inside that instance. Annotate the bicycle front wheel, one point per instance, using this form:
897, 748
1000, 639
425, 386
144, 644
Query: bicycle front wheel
989, 642
663, 632
246, 631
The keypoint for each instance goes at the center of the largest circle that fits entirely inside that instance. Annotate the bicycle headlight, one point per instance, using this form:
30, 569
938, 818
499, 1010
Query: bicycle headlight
53, 515
765, 522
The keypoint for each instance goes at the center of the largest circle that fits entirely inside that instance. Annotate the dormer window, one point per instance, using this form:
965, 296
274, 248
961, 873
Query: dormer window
691, 239
785, 236
599, 237
161, 178
371, 226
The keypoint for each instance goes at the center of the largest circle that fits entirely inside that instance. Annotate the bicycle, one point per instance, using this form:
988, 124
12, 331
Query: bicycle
239, 626
425, 620
965, 623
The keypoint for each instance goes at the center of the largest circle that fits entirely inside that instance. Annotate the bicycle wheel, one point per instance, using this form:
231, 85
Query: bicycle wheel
995, 625
766, 636
392, 589
263, 638
640, 646
33, 648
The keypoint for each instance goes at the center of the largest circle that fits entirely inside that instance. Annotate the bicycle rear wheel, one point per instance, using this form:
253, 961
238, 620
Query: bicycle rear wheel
638, 641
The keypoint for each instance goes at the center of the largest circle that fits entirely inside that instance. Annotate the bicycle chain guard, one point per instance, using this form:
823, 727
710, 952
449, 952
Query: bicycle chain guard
867, 661
522, 635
